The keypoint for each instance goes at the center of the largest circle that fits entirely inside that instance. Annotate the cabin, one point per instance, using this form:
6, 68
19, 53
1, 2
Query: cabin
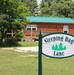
48, 25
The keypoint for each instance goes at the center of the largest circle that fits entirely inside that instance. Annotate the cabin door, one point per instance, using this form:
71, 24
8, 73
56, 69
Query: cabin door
65, 29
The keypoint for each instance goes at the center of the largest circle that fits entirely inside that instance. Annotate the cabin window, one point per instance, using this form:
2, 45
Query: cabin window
65, 28
31, 27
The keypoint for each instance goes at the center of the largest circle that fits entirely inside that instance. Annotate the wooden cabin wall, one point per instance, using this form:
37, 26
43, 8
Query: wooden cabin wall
71, 29
52, 27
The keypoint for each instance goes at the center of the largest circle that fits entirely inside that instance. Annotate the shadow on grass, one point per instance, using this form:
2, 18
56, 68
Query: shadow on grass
11, 45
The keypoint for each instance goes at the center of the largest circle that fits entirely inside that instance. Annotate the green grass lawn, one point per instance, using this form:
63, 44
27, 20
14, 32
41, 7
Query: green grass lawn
27, 44
25, 63
24, 44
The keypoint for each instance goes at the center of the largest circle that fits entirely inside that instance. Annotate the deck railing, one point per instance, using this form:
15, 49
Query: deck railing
32, 34
35, 32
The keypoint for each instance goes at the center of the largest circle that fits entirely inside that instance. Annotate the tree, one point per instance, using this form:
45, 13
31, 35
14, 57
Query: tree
31, 4
61, 8
3, 28
45, 7
12, 19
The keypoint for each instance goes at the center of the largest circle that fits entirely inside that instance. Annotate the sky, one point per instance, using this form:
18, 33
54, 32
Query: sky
38, 1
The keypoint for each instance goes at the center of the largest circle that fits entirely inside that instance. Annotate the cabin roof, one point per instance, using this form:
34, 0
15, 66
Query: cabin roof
43, 19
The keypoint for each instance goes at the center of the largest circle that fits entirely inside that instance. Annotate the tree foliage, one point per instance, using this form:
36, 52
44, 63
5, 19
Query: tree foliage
61, 8
12, 18
31, 4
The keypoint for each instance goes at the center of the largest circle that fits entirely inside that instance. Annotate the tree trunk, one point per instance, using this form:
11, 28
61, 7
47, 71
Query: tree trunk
1, 39
1, 42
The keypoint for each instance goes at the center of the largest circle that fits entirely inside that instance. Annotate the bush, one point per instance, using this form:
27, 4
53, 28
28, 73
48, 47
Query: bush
11, 41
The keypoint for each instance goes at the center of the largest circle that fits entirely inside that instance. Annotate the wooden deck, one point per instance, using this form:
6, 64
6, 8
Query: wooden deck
31, 35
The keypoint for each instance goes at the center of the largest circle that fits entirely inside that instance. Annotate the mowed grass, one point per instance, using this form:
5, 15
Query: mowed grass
15, 63
53, 66
27, 44
26, 63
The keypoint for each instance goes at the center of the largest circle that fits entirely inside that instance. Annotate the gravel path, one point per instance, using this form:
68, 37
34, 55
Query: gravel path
25, 49
22, 49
